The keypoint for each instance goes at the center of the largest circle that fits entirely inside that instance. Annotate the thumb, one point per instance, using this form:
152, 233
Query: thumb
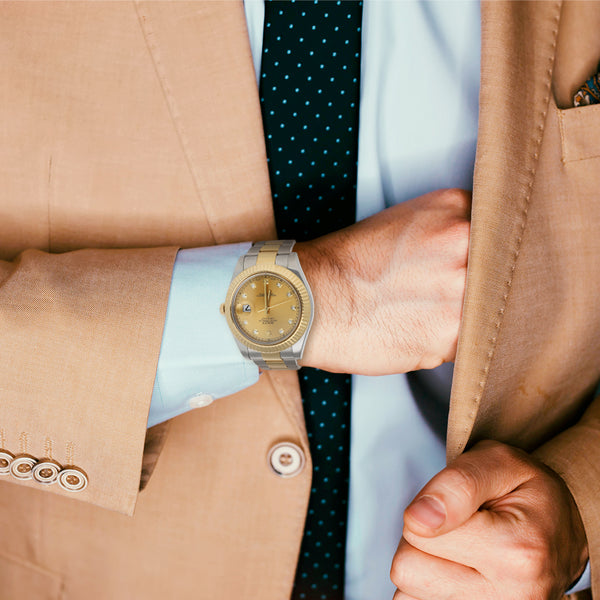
488, 471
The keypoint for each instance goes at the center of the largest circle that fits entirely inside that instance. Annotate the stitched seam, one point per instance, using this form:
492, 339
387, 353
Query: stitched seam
284, 399
524, 213
302, 504
70, 454
48, 445
587, 157
153, 51
23, 442
563, 139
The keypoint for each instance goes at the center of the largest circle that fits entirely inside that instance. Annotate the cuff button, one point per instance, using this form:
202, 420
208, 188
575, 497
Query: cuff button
22, 467
200, 400
46, 472
72, 480
6, 459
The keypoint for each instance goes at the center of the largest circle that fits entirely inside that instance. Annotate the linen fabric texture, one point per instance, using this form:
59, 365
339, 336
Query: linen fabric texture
117, 138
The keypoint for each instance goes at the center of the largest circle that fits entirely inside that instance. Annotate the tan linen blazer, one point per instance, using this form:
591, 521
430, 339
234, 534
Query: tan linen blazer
129, 129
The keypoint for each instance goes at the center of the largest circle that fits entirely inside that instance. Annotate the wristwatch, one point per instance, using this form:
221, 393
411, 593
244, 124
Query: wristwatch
269, 305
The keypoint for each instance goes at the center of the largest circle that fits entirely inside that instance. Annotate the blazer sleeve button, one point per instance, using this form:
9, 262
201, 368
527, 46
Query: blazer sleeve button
22, 467
46, 472
6, 459
72, 480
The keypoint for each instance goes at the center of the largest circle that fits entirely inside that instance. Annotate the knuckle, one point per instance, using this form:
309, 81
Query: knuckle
451, 291
532, 563
460, 483
402, 572
533, 557
488, 444
398, 573
432, 361
500, 451
459, 285
446, 340
453, 243
457, 197
460, 233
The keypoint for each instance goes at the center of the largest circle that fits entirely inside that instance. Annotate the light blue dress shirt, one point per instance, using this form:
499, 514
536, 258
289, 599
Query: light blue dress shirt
418, 131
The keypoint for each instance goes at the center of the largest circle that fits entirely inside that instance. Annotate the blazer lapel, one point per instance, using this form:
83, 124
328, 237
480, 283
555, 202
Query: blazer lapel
518, 47
202, 58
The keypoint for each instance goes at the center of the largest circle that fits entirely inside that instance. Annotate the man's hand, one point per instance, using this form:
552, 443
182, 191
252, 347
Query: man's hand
495, 524
389, 290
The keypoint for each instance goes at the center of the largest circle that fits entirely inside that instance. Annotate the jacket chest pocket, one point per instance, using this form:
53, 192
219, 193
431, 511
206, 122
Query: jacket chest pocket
579, 132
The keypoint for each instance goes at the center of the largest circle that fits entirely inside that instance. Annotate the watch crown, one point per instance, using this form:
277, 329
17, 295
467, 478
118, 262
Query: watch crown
222, 309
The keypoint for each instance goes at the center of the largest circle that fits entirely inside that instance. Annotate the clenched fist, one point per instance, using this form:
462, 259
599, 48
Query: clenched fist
389, 290
494, 525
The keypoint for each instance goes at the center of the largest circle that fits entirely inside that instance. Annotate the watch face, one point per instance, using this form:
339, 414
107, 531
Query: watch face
266, 308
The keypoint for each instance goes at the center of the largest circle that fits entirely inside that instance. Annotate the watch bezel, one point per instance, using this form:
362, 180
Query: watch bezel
305, 301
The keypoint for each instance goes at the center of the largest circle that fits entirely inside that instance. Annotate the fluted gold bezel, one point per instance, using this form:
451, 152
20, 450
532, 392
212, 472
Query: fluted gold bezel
294, 281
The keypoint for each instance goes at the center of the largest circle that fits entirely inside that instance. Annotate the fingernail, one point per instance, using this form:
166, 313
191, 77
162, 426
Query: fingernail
428, 511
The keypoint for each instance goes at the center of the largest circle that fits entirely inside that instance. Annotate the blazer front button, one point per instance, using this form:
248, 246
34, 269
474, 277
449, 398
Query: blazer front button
22, 467
286, 459
6, 459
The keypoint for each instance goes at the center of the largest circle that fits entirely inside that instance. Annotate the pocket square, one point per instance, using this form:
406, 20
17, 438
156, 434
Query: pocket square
589, 92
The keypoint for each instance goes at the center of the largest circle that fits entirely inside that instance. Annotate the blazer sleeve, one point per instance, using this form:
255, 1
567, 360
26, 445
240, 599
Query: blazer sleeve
79, 345
575, 456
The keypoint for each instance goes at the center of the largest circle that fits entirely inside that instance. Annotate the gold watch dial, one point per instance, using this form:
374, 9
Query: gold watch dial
266, 308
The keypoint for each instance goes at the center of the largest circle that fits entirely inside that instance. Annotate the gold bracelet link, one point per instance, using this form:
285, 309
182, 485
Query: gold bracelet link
268, 253
273, 360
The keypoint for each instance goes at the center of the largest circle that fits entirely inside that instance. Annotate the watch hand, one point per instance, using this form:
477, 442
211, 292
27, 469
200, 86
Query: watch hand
268, 298
265, 288
274, 305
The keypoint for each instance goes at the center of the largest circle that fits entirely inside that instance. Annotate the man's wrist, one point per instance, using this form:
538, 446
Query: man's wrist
329, 298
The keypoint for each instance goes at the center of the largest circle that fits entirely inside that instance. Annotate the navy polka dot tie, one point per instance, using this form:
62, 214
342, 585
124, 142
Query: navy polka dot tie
309, 90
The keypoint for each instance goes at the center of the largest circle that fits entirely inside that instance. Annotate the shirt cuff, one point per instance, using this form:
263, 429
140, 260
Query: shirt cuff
583, 583
199, 358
